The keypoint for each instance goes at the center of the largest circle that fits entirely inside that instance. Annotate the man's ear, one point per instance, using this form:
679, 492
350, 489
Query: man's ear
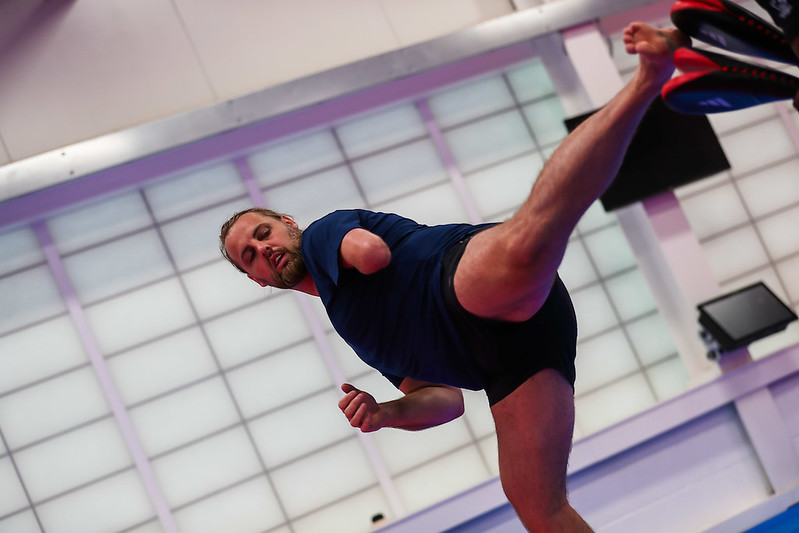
288, 221
259, 282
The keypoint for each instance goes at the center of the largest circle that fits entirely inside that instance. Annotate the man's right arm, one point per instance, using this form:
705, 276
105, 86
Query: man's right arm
364, 251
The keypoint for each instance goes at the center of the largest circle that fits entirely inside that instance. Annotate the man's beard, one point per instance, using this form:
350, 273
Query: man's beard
294, 270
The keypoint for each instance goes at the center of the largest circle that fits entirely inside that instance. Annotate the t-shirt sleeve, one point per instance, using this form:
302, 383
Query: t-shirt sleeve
320, 246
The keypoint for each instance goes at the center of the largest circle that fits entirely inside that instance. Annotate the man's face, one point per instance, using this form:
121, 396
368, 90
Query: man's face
268, 249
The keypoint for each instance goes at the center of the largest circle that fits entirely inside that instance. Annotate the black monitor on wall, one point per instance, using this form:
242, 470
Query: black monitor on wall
737, 319
669, 149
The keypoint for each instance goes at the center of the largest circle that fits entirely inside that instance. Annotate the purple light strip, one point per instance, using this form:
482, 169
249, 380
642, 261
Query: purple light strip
106, 381
449, 161
328, 355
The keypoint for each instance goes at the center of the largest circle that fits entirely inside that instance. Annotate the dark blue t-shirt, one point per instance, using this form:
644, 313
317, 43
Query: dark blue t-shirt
395, 319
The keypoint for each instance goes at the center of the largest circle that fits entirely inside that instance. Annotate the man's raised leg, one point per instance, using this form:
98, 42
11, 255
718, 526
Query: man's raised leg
507, 271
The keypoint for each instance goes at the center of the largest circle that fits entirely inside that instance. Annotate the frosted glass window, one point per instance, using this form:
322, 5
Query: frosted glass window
504, 187
295, 157
247, 508
381, 130
98, 222
300, 428
73, 459
118, 266
441, 479
162, 365
651, 339
195, 239
50, 407
546, 120
471, 100
336, 472
602, 360
139, 316
714, 211
184, 416
13, 496
530, 81
279, 379
219, 287
311, 198
39, 351
257, 330
594, 313
489, 141
595, 217
780, 233
735, 253
576, 269
346, 516
630, 295
612, 404
400, 171
194, 191
477, 413
113, 504
668, 378
609, 250
153, 526
402, 450
31, 295
771, 189
745, 155
437, 205
19, 249
207, 466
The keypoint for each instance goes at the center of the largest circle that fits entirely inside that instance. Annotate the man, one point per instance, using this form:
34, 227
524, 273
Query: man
436, 309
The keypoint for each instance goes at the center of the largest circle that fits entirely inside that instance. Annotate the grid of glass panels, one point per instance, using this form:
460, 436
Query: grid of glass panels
230, 393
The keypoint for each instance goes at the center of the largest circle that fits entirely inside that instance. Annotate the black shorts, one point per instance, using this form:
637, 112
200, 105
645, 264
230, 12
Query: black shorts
508, 353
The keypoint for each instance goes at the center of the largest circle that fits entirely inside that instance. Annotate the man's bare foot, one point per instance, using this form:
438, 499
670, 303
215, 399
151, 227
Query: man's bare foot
656, 49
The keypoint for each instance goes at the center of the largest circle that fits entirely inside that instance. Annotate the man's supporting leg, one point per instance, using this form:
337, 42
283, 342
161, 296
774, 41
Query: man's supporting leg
534, 430
507, 271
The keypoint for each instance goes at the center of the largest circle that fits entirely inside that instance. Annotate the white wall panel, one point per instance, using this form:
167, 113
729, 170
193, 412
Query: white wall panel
403, 450
603, 359
279, 379
593, 309
668, 378
162, 365
32, 294
295, 157
470, 100
576, 269
779, 241
789, 273
98, 221
477, 413
139, 316
99, 66
505, 186
19, 249
281, 437
110, 505
50, 407
735, 253
261, 328
39, 351
491, 140
461, 469
13, 495
714, 211
196, 190
651, 339
219, 287
381, 130
744, 155
336, 472
247, 508
78, 457
436, 205
346, 516
183, 416
204, 467
530, 80
607, 406
609, 250
771, 189
21, 523
630, 295
546, 120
